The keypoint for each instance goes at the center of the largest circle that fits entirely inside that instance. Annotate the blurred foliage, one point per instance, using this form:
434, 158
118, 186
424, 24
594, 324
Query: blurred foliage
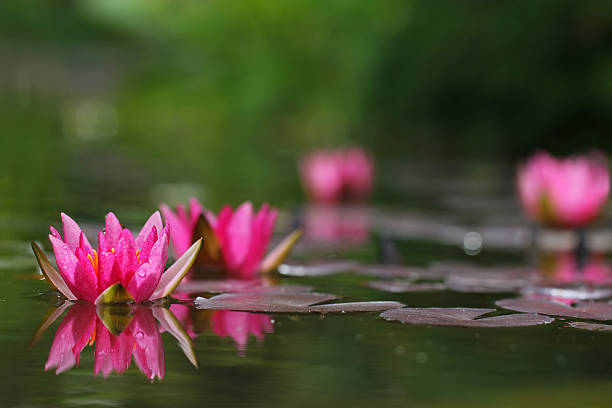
230, 94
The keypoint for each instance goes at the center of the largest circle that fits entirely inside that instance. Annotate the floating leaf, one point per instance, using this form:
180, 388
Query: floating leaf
404, 286
217, 286
463, 317
53, 277
280, 252
584, 310
576, 293
114, 294
264, 302
170, 323
317, 269
397, 271
484, 281
175, 273
115, 317
355, 307
51, 316
591, 326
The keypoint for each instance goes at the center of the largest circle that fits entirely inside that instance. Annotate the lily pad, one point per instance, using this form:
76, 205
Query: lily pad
575, 293
397, 286
355, 307
317, 269
591, 326
397, 271
217, 286
583, 310
462, 317
264, 302
485, 281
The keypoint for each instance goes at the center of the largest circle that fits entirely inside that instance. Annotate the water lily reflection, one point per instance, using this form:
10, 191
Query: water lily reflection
564, 268
225, 323
337, 224
117, 334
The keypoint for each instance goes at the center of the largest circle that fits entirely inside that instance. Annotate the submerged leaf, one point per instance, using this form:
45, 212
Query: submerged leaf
264, 302
583, 310
280, 252
376, 306
170, 323
114, 294
175, 273
53, 277
115, 317
462, 317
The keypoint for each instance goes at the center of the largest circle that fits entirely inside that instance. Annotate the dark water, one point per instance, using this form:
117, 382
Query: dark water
304, 359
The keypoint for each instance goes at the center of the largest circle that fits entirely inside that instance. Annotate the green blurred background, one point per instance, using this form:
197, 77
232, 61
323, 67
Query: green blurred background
118, 96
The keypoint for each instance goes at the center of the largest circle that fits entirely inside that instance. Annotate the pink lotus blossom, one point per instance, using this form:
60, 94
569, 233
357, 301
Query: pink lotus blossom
135, 264
81, 327
236, 240
333, 176
567, 193
239, 325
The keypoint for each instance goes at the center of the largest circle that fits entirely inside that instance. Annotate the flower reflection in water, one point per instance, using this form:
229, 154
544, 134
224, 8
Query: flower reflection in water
117, 333
225, 323
563, 268
337, 224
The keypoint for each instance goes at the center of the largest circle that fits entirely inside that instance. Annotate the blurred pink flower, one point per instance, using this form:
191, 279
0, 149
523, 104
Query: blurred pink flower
239, 325
236, 241
566, 193
81, 326
333, 176
136, 264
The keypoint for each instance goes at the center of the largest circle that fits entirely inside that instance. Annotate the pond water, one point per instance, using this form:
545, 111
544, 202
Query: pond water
288, 359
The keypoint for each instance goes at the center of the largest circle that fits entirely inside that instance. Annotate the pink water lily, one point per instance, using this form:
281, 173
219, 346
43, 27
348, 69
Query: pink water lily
332, 176
235, 240
566, 193
122, 268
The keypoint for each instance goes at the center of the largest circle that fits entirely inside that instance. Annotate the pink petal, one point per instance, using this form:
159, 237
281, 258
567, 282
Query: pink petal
259, 242
180, 234
112, 229
72, 271
195, 210
237, 237
55, 233
103, 353
223, 219
146, 278
72, 232
125, 258
153, 221
85, 278
85, 245
147, 245
106, 262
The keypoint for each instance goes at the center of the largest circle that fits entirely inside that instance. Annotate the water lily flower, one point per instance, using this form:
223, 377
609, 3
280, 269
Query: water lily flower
567, 193
333, 176
235, 240
117, 337
123, 268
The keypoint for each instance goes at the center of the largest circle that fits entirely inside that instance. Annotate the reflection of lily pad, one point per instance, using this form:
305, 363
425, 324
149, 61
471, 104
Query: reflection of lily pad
584, 310
463, 317
398, 286
264, 302
591, 326
355, 307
